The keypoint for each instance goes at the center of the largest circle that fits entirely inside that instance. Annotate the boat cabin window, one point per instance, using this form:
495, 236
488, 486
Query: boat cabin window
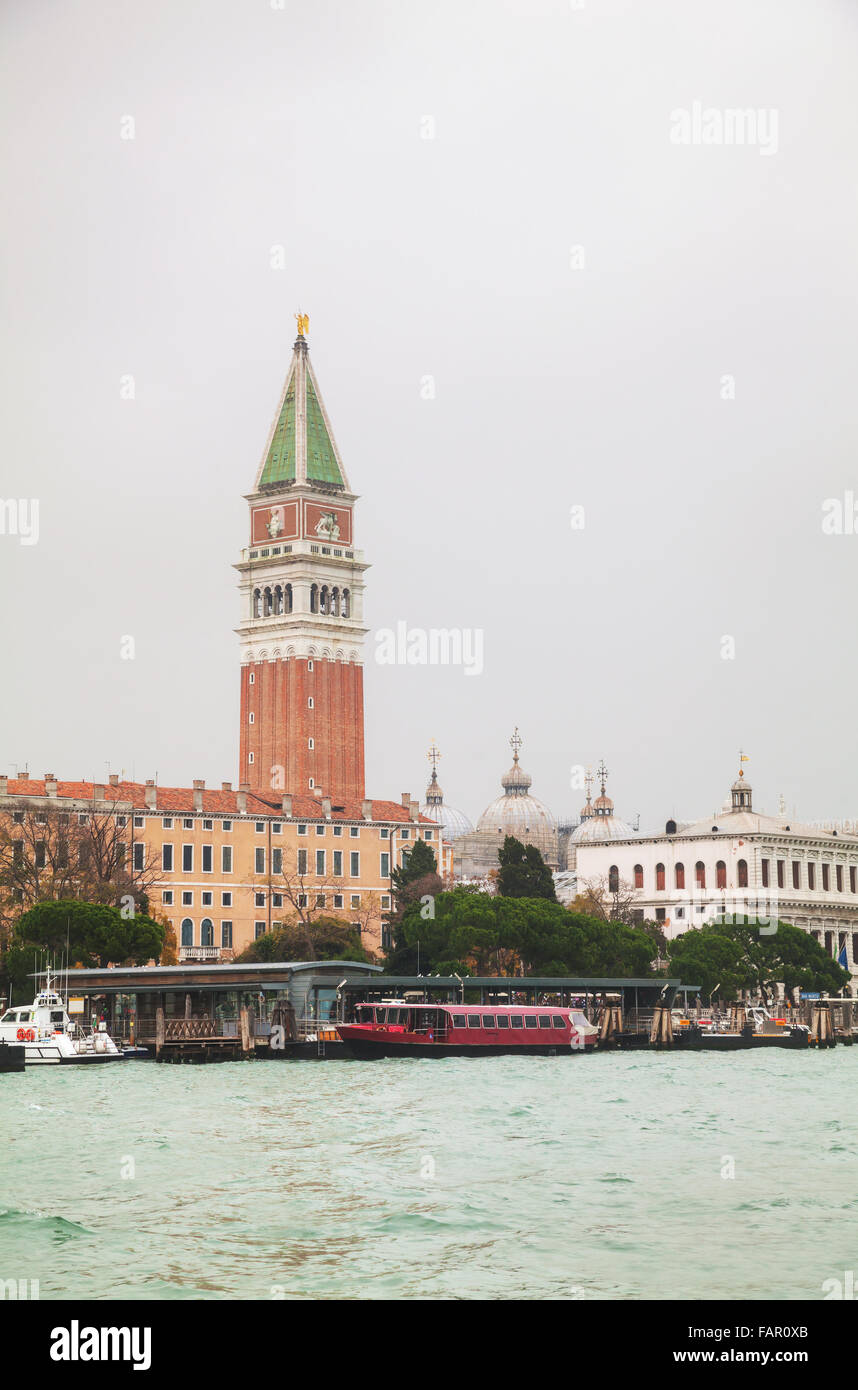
24, 1016
381, 1015
544, 1021
558, 1021
56, 1016
488, 1020
530, 1021
473, 1020
503, 1021
517, 1021
459, 1021
10, 1016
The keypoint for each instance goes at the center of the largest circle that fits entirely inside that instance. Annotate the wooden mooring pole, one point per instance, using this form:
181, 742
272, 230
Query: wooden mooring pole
160, 1032
661, 1032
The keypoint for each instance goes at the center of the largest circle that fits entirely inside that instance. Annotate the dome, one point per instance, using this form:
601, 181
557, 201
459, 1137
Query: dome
453, 822
600, 823
517, 812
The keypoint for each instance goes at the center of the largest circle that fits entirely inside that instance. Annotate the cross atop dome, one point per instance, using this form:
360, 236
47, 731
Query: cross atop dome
602, 774
515, 743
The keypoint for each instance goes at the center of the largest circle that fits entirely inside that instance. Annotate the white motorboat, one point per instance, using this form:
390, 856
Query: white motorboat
50, 1037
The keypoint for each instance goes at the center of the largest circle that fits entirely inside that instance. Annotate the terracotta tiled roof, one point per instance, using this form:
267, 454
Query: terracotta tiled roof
180, 801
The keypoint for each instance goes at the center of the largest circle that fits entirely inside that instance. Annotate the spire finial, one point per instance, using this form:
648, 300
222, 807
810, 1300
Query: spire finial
588, 782
743, 758
434, 756
602, 774
303, 322
515, 743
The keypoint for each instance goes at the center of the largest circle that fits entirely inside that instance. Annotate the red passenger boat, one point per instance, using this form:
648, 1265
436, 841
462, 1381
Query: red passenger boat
465, 1030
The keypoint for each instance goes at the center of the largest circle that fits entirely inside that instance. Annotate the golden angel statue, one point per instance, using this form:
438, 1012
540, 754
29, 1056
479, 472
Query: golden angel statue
303, 322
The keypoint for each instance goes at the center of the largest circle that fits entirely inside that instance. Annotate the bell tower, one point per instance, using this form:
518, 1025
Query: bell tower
301, 586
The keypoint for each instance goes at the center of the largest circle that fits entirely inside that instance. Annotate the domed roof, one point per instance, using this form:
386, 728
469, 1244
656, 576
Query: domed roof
453, 822
600, 823
517, 812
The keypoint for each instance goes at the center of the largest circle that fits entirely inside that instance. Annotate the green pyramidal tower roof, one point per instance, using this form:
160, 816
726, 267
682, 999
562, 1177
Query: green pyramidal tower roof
301, 445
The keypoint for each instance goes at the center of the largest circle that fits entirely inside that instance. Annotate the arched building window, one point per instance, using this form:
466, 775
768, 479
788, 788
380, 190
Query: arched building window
639, 876
206, 932
742, 871
721, 874
187, 932
659, 878
345, 606
700, 874
257, 603
314, 598
287, 598
613, 879
679, 875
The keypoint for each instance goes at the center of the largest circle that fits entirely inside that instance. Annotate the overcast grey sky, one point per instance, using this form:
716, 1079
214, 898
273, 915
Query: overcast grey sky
562, 377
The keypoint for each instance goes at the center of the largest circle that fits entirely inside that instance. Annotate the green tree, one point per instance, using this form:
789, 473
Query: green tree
330, 938
83, 933
523, 872
742, 954
416, 886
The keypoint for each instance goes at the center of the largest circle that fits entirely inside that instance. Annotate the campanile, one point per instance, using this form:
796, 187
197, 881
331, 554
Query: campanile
301, 585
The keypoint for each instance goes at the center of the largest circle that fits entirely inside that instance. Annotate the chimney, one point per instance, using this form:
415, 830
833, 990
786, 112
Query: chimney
98, 791
415, 810
226, 786
50, 784
406, 799
287, 804
241, 797
326, 807
150, 795
366, 810
199, 784
4, 785
114, 779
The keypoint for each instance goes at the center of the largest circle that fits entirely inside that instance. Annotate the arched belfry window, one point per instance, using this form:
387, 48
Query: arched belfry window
314, 598
287, 598
257, 603
268, 603
345, 607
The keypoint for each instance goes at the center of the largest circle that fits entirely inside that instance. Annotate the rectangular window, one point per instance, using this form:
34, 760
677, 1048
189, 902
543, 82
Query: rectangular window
764, 867
473, 1021
138, 822
384, 834
226, 935
320, 829
338, 863
226, 899
167, 822
167, 897
459, 1021
277, 899
405, 834
260, 827
187, 823
302, 828
259, 860
208, 825
354, 901
530, 1021
338, 900
187, 859
207, 858
167, 858
277, 828
811, 875
780, 873
826, 878
557, 1021
354, 831
488, 1020
320, 863
517, 1021
385, 900
258, 929
259, 899
428, 834
226, 826
544, 1022
384, 864
354, 863
338, 831
187, 897
137, 856
207, 898
851, 878
796, 874
838, 870
503, 1021
277, 860
226, 859
302, 862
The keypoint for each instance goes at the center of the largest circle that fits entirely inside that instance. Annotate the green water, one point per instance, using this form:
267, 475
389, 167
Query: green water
570, 1178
